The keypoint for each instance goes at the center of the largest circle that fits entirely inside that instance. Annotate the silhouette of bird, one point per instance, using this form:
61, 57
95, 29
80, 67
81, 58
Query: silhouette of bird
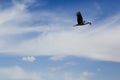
80, 20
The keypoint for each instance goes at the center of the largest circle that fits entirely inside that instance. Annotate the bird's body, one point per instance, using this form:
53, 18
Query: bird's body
80, 20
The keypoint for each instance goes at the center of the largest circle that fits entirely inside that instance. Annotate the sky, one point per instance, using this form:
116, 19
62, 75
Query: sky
38, 40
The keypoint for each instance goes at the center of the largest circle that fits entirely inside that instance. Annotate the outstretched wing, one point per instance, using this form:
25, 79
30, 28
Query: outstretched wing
79, 18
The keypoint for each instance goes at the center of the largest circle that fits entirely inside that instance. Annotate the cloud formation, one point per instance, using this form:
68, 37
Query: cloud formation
29, 58
57, 38
19, 73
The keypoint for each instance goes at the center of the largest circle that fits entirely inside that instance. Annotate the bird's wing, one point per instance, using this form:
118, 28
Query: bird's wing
79, 18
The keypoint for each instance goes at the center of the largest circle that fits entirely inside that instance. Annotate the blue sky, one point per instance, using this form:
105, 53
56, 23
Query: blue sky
38, 40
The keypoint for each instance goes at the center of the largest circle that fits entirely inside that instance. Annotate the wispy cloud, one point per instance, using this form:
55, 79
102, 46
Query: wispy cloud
100, 43
17, 73
20, 73
57, 38
86, 75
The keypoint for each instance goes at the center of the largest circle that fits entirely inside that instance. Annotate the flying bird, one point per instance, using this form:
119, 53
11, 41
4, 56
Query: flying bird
80, 20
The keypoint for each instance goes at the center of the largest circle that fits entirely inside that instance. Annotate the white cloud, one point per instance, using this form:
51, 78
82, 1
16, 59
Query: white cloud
57, 57
58, 39
86, 75
71, 76
63, 67
29, 58
19, 19
19, 73
101, 43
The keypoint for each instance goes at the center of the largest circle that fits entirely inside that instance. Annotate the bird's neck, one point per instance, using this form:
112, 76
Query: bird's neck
88, 23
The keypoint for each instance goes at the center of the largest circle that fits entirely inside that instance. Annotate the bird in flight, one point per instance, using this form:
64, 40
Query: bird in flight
80, 20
